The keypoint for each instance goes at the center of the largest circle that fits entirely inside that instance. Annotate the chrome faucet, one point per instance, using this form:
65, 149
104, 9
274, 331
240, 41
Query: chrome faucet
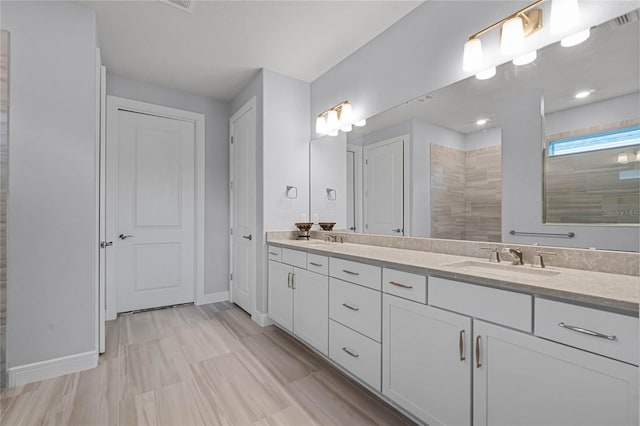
334, 238
494, 256
516, 255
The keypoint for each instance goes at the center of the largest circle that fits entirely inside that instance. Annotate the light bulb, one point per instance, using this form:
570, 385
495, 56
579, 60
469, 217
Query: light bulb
472, 57
583, 94
321, 126
622, 158
482, 122
565, 14
526, 59
361, 123
347, 128
346, 114
486, 74
333, 132
575, 39
638, 156
512, 36
332, 121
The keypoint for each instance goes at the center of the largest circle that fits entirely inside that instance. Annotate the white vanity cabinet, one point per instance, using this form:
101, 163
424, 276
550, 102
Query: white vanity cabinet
426, 361
299, 300
520, 379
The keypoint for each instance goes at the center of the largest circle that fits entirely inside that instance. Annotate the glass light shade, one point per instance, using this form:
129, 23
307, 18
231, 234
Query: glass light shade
622, 158
332, 121
512, 36
361, 123
575, 39
583, 94
486, 74
321, 126
333, 132
346, 114
638, 156
347, 128
565, 14
472, 57
526, 59
482, 122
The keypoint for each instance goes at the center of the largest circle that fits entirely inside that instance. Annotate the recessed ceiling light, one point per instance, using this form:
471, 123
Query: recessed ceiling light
482, 122
583, 94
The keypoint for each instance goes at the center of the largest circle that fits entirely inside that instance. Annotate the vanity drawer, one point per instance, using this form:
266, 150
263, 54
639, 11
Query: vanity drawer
490, 304
357, 307
295, 258
317, 263
275, 253
359, 273
357, 354
579, 321
404, 284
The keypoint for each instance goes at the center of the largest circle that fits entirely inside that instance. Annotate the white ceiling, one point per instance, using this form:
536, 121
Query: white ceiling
218, 47
607, 63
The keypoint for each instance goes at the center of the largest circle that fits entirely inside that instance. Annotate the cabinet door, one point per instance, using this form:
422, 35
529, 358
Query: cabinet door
426, 361
281, 294
523, 380
311, 308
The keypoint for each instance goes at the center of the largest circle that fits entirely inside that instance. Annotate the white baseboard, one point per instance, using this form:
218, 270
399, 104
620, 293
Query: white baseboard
220, 296
263, 320
37, 371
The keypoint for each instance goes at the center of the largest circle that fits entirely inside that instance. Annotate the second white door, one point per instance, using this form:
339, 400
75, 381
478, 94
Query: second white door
155, 219
384, 188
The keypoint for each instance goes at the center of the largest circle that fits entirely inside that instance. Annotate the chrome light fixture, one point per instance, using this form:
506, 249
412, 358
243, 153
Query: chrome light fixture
338, 117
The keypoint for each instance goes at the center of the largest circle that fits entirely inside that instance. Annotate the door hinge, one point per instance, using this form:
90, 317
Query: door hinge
366, 226
231, 139
230, 277
230, 231
366, 162
104, 244
231, 185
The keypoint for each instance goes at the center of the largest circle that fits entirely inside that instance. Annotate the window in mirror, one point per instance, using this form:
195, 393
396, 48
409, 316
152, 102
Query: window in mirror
593, 177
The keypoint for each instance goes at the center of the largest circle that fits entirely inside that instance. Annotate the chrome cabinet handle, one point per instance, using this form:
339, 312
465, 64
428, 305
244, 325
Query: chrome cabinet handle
586, 331
248, 237
350, 272
289, 275
350, 307
273, 253
293, 281
315, 264
124, 237
461, 345
400, 285
350, 352
478, 364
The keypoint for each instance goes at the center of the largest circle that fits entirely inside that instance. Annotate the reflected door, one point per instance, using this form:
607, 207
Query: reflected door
384, 188
155, 219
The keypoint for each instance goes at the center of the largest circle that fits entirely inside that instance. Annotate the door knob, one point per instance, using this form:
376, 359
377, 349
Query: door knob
248, 237
124, 237
398, 230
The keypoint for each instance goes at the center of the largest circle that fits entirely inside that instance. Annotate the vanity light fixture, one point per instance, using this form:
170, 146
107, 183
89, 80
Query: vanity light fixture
482, 121
638, 156
565, 16
338, 117
583, 94
623, 158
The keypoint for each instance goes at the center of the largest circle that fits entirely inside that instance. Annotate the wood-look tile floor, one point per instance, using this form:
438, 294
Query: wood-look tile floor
198, 365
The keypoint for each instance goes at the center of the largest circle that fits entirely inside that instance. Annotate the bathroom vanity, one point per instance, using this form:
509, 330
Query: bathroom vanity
459, 340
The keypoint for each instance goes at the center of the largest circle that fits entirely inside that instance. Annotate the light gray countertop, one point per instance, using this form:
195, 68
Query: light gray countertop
615, 292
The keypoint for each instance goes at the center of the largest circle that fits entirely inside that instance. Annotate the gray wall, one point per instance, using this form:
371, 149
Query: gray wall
216, 113
52, 208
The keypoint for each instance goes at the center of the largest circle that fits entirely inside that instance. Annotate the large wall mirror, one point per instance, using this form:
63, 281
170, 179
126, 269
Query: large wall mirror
436, 165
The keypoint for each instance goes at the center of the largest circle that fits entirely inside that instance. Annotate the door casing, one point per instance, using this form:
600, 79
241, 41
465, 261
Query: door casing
114, 104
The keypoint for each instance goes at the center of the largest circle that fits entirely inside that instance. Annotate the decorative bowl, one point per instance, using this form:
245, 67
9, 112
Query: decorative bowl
327, 226
304, 226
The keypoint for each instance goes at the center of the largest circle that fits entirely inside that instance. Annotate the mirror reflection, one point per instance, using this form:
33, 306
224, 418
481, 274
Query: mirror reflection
435, 166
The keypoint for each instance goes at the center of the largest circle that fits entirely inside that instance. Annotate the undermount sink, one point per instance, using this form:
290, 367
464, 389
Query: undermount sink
503, 270
318, 244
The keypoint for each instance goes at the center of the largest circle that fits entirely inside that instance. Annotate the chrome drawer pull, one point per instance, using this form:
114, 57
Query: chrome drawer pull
289, 279
319, 265
461, 346
350, 307
273, 253
585, 331
350, 272
350, 352
400, 285
478, 363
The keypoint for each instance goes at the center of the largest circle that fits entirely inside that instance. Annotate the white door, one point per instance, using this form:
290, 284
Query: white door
102, 223
351, 191
384, 188
155, 217
243, 206
280, 294
311, 308
426, 361
523, 380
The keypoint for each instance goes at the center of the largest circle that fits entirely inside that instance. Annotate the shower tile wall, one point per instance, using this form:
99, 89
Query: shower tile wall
466, 193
